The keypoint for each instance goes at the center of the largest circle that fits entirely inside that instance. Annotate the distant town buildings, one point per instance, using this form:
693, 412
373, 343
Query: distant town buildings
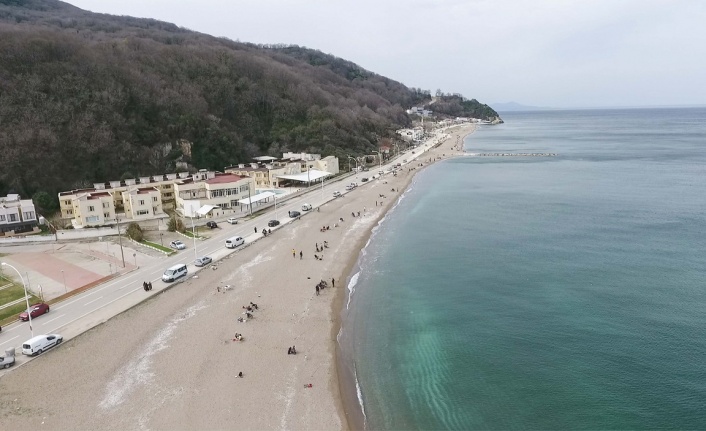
17, 215
204, 193
418, 110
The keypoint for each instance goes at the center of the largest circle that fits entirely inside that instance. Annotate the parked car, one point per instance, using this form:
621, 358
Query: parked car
178, 245
40, 343
212, 224
273, 223
203, 261
294, 214
232, 220
9, 359
365, 180
336, 194
35, 311
349, 187
306, 207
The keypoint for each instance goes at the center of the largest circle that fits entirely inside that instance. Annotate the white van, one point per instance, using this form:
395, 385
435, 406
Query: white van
234, 242
306, 207
40, 343
174, 272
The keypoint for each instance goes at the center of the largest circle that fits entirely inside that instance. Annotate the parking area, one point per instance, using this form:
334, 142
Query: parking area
53, 270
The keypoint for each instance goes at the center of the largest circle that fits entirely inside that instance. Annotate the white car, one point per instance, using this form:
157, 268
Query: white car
178, 245
203, 261
350, 187
232, 220
336, 194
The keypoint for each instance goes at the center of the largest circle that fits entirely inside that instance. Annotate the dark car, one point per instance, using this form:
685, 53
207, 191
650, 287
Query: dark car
273, 223
294, 214
36, 310
212, 224
363, 180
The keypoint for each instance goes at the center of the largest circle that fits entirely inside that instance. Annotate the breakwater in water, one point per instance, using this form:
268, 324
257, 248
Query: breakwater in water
513, 154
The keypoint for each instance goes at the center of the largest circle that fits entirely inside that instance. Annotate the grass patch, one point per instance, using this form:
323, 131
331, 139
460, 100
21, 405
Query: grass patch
190, 234
158, 246
10, 294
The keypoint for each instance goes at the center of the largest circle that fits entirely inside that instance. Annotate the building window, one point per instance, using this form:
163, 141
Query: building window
106, 215
2, 217
69, 212
106, 205
91, 209
142, 212
245, 188
29, 215
233, 203
168, 195
91, 219
142, 202
154, 199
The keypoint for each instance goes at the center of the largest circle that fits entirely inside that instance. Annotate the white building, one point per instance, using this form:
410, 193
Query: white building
17, 215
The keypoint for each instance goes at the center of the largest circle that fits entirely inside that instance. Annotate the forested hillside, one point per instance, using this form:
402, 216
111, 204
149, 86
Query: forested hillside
90, 97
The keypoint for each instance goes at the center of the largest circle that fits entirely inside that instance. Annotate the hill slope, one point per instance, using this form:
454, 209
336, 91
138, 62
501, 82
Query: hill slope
90, 97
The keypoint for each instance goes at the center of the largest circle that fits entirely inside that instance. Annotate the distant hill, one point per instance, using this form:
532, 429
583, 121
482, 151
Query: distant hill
88, 97
514, 106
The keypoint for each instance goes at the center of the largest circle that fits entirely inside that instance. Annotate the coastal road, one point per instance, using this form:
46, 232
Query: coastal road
95, 306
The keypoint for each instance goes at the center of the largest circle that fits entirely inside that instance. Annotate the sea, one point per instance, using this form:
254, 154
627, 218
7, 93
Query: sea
564, 292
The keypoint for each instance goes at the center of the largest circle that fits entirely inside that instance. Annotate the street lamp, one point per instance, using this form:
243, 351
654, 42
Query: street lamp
308, 175
193, 232
276, 215
64, 277
161, 238
349, 163
29, 312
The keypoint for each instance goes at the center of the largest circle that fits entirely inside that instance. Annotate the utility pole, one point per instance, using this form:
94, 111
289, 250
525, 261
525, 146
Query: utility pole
120, 239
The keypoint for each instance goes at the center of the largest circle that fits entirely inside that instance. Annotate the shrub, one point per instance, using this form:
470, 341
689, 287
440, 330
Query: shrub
175, 225
134, 232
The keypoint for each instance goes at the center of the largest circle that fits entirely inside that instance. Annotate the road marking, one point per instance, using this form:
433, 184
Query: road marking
10, 339
90, 302
57, 317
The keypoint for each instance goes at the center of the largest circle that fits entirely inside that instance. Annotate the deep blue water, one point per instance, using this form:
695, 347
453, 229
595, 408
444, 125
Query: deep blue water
543, 293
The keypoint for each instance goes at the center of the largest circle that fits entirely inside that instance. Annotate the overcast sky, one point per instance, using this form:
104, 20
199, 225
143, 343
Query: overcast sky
578, 53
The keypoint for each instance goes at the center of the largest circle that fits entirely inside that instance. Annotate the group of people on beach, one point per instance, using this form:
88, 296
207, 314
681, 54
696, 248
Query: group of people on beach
248, 312
147, 286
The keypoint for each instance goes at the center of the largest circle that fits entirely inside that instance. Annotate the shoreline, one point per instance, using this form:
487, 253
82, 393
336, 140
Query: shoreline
171, 362
450, 147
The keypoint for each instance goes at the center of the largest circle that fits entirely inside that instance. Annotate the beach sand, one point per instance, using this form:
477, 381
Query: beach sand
172, 363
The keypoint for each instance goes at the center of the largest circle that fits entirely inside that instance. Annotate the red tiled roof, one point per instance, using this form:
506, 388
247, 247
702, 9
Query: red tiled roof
224, 178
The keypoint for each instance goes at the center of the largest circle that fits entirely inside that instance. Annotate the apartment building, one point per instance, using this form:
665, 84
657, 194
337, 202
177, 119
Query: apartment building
92, 209
140, 203
265, 176
17, 215
212, 194
164, 183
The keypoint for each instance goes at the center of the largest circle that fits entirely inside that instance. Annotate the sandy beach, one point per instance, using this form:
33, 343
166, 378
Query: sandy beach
172, 362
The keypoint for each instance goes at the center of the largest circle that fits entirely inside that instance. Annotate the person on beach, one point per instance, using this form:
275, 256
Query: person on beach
255, 229
149, 285
294, 253
240, 375
317, 288
333, 282
301, 255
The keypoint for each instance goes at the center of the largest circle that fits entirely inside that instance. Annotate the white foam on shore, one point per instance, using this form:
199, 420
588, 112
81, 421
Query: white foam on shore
359, 393
137, 371
351, 287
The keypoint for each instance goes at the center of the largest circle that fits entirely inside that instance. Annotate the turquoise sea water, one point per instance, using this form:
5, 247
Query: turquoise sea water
542, 293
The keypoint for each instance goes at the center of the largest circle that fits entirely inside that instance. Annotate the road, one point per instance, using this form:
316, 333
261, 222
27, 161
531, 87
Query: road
93, 307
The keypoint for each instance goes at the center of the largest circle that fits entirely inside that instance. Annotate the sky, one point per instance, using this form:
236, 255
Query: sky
549, 53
